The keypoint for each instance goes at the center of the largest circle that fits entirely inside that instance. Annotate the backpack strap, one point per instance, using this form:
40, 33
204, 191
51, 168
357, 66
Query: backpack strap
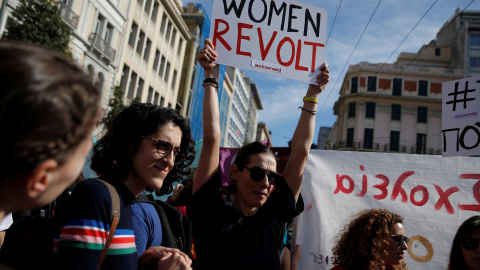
115, 218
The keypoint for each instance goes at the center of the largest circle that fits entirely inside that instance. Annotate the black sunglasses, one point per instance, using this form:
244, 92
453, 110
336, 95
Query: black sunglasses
164, 149
399, 239
470, 243
258, 174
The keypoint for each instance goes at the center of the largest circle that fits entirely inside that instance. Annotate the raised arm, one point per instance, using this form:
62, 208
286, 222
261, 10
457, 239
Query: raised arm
209, 157
303, 136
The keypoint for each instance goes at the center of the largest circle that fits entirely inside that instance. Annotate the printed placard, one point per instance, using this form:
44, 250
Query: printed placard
461, 117
281, 38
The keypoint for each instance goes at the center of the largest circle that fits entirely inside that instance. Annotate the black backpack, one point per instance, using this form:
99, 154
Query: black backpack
176, 229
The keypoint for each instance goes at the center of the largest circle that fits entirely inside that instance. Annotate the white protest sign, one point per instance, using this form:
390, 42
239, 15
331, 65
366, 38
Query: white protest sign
433, 194
461, 117
281, 38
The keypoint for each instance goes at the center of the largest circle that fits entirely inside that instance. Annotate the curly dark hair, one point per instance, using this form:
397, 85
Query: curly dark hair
457, 262
47, 107
362, 244
112, 153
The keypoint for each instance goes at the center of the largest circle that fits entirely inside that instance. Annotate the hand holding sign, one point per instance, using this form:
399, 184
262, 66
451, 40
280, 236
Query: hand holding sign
207, 57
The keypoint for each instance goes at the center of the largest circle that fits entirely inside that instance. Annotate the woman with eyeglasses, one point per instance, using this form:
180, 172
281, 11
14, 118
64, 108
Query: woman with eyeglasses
246, 232
145, 146
374, 239
465, 253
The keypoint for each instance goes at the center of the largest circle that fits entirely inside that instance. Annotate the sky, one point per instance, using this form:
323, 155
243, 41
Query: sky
357, 31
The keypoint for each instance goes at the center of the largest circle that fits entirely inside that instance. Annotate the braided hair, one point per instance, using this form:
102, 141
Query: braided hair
47, 107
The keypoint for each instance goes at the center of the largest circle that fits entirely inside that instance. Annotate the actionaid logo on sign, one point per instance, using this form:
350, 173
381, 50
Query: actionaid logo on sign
282, 38
267, 66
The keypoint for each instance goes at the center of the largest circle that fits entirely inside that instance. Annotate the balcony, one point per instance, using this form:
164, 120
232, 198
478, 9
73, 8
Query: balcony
69, 16
99, 43
375, 147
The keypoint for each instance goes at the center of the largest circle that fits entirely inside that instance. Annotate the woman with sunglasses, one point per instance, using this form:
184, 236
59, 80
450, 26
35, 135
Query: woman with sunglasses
246, 232
465, 253
374, 239
145, 146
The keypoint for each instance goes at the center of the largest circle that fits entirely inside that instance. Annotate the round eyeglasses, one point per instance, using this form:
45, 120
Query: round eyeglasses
164, 149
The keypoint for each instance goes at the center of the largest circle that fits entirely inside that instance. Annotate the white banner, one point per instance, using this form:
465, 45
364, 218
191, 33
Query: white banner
277, 37
461, 117
433, 194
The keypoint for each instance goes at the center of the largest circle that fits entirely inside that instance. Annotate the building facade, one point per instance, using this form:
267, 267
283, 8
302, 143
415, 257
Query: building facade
153, 52
394, 107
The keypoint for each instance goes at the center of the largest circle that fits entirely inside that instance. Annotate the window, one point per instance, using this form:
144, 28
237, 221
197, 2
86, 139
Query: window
146, 53
474, 62
157, 97
162, 66
397, 87
180, 45
174, 37
394, 141
169, 30
162, 101
140, 88
396, 112
167, 72
133, 35
474, 40
422, 114
437, 51
156, 59
352, 107
153, 17
174, 79
370, 110
147, 6
164, 22
423, 88
150, 95
368, 138
123, 80
140, 42
354, 86
131, 86
350, 137
420, 146
372, 84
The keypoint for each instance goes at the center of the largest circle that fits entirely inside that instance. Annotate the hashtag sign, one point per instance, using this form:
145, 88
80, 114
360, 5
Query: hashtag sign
457, 93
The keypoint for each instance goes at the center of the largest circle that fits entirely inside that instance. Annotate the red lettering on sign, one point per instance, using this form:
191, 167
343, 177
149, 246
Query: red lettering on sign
364, 184
218, 34
314, 45
299, 53
264, 51
289, 62
443, 200
397, 188
341, 187
425, 196
240, 37
476, 193
382, 187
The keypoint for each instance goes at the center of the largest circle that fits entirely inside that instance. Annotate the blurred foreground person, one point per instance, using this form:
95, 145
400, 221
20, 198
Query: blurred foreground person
48, 109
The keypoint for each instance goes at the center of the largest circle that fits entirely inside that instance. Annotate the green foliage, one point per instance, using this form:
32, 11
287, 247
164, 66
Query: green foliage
39, 22
116, 105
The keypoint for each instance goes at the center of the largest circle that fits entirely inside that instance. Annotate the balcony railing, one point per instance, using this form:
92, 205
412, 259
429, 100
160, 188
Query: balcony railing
99, 43
69, 16
375, 147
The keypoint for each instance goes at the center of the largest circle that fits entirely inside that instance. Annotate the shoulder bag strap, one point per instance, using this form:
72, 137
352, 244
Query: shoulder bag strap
115, 218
